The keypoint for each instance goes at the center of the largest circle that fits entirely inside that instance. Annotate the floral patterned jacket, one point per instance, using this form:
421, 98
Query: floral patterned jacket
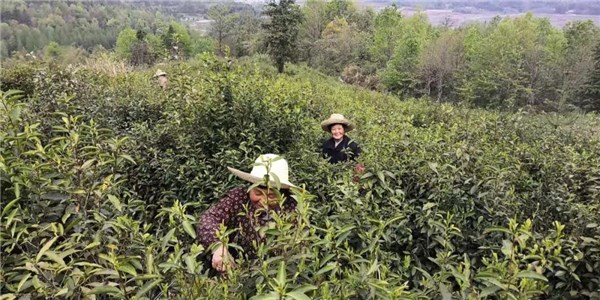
235, 210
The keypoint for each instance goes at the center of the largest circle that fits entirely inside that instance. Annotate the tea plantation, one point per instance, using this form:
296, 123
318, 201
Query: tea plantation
103, 175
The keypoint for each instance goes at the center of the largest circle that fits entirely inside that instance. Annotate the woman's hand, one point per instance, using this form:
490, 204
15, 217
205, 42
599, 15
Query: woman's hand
359, 168
222, 260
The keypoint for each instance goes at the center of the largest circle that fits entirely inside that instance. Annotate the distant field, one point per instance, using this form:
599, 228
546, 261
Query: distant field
439, 17
456, 19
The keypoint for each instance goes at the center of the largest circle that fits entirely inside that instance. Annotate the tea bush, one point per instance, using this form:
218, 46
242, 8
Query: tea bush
103, 176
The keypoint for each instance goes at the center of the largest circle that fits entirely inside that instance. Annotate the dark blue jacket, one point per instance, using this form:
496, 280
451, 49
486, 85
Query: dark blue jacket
346, 150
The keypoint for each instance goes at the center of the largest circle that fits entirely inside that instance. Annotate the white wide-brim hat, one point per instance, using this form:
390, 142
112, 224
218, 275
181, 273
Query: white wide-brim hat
337, 119
278, 171
159, 72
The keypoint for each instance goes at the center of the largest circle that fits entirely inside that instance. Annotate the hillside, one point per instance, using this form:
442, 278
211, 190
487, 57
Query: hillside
104, 175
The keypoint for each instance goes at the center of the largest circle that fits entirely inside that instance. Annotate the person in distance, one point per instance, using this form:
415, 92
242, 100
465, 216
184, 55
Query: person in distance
340, 148
161, 78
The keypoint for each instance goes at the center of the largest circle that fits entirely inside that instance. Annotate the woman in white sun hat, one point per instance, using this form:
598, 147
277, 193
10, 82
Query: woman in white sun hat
260, 201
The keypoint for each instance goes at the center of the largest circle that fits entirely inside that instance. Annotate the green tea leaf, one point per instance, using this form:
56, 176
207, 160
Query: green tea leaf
88, 163
22, 281
330, 266
167, 238
189, 229
106, 289
45, 248
128, 157
507, 247
532, 275
297, 295
270, 296
9, 205
305, 288
147, 287
115, 202
91, 245
190, 263
281, 274
61, 292
446, 295
127, 268
490, 290
56, 258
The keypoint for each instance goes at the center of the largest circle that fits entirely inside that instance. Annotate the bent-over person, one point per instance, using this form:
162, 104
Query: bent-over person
246, 210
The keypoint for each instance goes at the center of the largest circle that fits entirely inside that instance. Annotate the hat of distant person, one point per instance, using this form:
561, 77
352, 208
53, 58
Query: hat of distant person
159, 73
337, 119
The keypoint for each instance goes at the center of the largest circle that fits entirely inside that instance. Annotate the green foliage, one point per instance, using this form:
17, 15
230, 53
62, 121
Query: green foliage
591, 93
506, 70
31, 25
341, 45
69, 33
339, 9
387, 30
222, 27
235, 32
454, 203
124, 42
315, 20
53, 50
399, 73
282, 30
177, 41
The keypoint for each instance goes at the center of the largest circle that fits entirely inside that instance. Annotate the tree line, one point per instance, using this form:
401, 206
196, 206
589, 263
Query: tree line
506, 63
74, 28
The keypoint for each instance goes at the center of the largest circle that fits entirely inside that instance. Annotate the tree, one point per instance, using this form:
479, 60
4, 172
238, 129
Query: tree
387, 30
341, 44
140, 51
364, 20
138, 47
245, 38
440, 61
222, 26
53, 50
315, 20
340, 9
202, 44
177, 41
543, 60
282, 31
578, 62
125, 41
400, 73
512, 63
591, 93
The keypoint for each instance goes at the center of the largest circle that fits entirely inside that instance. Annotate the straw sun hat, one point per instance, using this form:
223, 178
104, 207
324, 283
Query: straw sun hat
337, 119
160, 72
278, 171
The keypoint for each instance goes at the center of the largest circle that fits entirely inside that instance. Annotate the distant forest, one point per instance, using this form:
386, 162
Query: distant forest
505, 63
31, 26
